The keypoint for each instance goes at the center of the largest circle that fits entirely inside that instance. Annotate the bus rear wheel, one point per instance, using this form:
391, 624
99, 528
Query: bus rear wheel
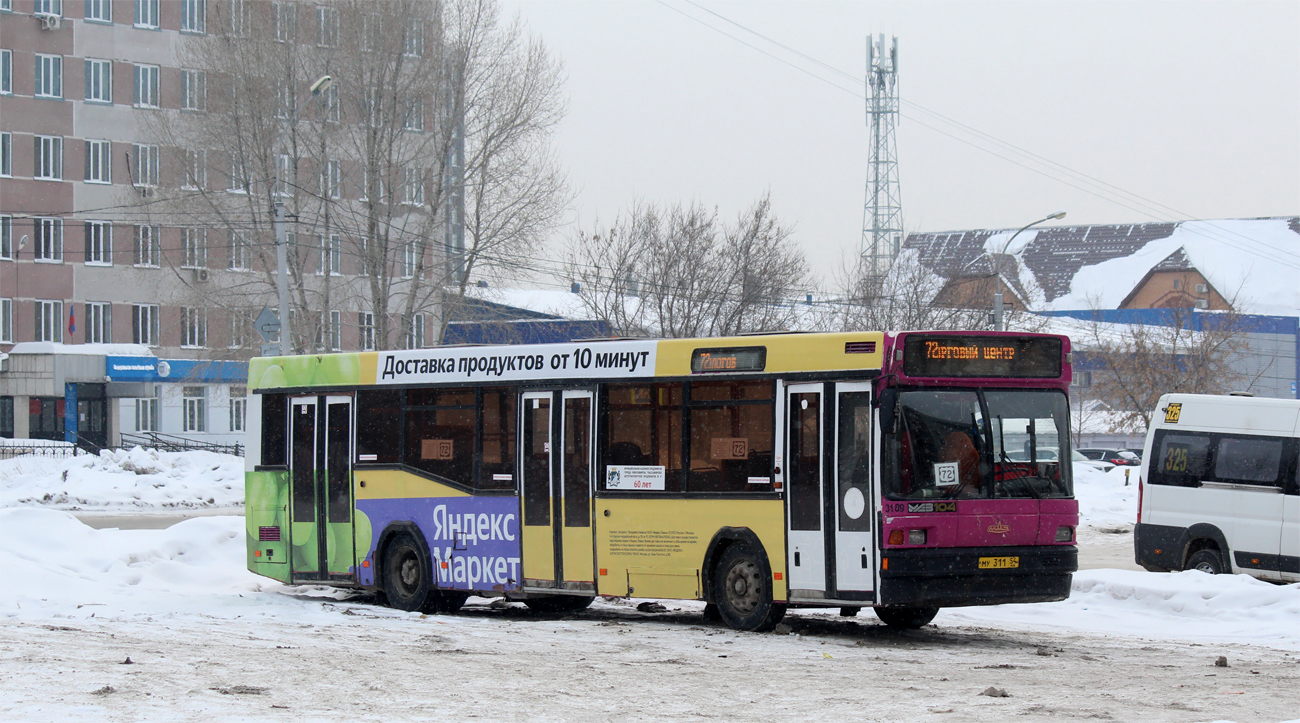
743, 591
1207, 561
906, 618
406, 574
559, 603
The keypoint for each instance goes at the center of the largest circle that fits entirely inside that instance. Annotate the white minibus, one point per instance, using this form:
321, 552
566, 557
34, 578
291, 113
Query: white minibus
1219, 487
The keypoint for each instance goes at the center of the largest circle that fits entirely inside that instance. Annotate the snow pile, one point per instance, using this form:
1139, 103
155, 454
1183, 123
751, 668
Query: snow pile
1104, 501
135, 479
59, 567
1186, 605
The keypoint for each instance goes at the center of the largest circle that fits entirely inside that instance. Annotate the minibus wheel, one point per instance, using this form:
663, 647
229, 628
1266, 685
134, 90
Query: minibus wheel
406, 574
906, 618
1207, 561
743, 590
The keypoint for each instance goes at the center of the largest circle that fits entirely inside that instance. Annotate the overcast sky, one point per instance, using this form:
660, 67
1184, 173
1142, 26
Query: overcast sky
1191, 108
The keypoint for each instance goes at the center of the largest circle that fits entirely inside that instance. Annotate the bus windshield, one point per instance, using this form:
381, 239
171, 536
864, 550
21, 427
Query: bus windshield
978, 444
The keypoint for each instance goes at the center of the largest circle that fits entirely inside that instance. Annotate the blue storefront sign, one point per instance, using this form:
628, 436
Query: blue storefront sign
194, 371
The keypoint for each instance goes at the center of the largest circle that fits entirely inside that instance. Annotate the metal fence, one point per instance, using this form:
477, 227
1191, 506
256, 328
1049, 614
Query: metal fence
148, 440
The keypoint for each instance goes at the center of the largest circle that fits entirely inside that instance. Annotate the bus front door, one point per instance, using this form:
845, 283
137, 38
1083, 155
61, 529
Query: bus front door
854, 549
556, 448
320, 471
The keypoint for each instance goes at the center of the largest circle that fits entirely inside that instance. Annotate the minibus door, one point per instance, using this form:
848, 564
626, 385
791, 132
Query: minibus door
854, 502
804, 469
320, 473
557, 544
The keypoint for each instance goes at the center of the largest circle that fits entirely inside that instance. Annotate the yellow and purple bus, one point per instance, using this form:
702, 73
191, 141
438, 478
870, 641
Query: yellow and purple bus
902, 471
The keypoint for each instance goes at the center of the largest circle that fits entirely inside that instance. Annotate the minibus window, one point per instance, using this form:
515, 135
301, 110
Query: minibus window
1248, 461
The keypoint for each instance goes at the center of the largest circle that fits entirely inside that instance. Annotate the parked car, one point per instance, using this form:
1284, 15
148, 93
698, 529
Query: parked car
1117, 457
1135, 452
1218, 491
1100, 464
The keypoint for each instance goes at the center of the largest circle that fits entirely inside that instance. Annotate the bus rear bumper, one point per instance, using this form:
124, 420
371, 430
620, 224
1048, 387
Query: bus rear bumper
948, 577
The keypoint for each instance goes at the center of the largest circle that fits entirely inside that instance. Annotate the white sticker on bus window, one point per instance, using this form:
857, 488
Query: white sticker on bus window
367, 457
760, 480
945, 473
634, 477
502, 477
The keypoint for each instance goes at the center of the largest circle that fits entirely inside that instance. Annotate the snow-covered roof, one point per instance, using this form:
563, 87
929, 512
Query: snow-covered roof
560, 302
1252, 261
50, 347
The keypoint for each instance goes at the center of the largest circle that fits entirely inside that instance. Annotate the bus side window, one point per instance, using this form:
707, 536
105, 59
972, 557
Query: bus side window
497, 425
731, 436
274, 432
379, 424
440, 439
643, 427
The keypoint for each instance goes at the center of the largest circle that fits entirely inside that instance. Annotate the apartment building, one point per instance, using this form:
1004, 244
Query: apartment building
91, 271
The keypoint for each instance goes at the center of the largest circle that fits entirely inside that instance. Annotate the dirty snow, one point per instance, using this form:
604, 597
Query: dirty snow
124, 480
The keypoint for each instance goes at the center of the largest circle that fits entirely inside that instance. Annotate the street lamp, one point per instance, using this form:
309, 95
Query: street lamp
281, 236
998, 324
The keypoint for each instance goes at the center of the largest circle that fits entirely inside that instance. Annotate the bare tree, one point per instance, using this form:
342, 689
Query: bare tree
678, 272
429, 101
1136, 363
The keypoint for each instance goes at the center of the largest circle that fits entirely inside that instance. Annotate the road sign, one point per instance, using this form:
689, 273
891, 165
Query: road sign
267, 324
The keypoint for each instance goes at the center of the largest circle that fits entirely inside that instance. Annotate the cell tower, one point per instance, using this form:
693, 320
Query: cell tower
882, 222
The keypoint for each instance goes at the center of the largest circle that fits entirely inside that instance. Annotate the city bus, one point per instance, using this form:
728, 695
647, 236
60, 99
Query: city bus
900, 471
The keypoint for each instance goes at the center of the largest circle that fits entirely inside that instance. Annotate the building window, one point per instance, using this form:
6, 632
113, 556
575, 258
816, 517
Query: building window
194, 409
99, 242
6, 155
414, 116
413, 186
283, 176
146, 247
414, 45
331, 179
6, 72
146, 412
194, 90
195, 241
48, 7
98, 157
49, 239
415, 332
363, 256
238, 18
241, 327
327, 35
238, 256
144, 167
6, 237
99, 323
7, 321
331, 254
49, 320
366, 330
238, 408
146, 14
146, 86
99, 11
49, 76
194, 328
333, 112
99, 80
336, 330
408, 259
48, 158
196, 170
285, 17
45, 418
144, 324
194, 16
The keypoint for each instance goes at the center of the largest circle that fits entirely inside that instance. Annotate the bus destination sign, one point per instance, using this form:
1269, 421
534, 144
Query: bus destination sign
981, 356
735, 359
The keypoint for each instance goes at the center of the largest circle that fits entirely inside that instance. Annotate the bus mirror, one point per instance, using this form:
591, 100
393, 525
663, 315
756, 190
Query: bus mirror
888, 402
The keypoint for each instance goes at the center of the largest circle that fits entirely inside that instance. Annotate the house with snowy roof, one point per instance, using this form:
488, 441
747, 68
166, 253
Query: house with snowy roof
1136, 273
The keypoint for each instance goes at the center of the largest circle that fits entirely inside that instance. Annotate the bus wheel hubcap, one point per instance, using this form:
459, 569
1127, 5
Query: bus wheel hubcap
744, 587
410, 572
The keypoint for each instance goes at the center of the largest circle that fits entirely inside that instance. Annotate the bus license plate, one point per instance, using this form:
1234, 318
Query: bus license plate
998, 563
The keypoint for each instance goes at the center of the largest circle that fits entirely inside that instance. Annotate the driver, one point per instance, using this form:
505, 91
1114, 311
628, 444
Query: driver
960, 448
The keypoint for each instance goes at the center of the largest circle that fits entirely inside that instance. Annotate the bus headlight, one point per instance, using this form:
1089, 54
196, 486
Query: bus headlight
1064, 533
916, 537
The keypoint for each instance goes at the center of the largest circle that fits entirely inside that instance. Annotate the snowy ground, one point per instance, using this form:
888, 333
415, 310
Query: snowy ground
209, 640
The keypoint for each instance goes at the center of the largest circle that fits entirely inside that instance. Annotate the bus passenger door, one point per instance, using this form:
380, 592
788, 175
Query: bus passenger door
320, 473
854, 509
577, 556
536, 472
803, 484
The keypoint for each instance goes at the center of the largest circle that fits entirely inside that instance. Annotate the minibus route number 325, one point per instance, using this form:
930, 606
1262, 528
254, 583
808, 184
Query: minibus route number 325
902, 471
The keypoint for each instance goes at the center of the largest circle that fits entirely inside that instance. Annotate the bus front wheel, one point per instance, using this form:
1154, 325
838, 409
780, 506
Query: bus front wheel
743, 591
906, 618
406, 574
